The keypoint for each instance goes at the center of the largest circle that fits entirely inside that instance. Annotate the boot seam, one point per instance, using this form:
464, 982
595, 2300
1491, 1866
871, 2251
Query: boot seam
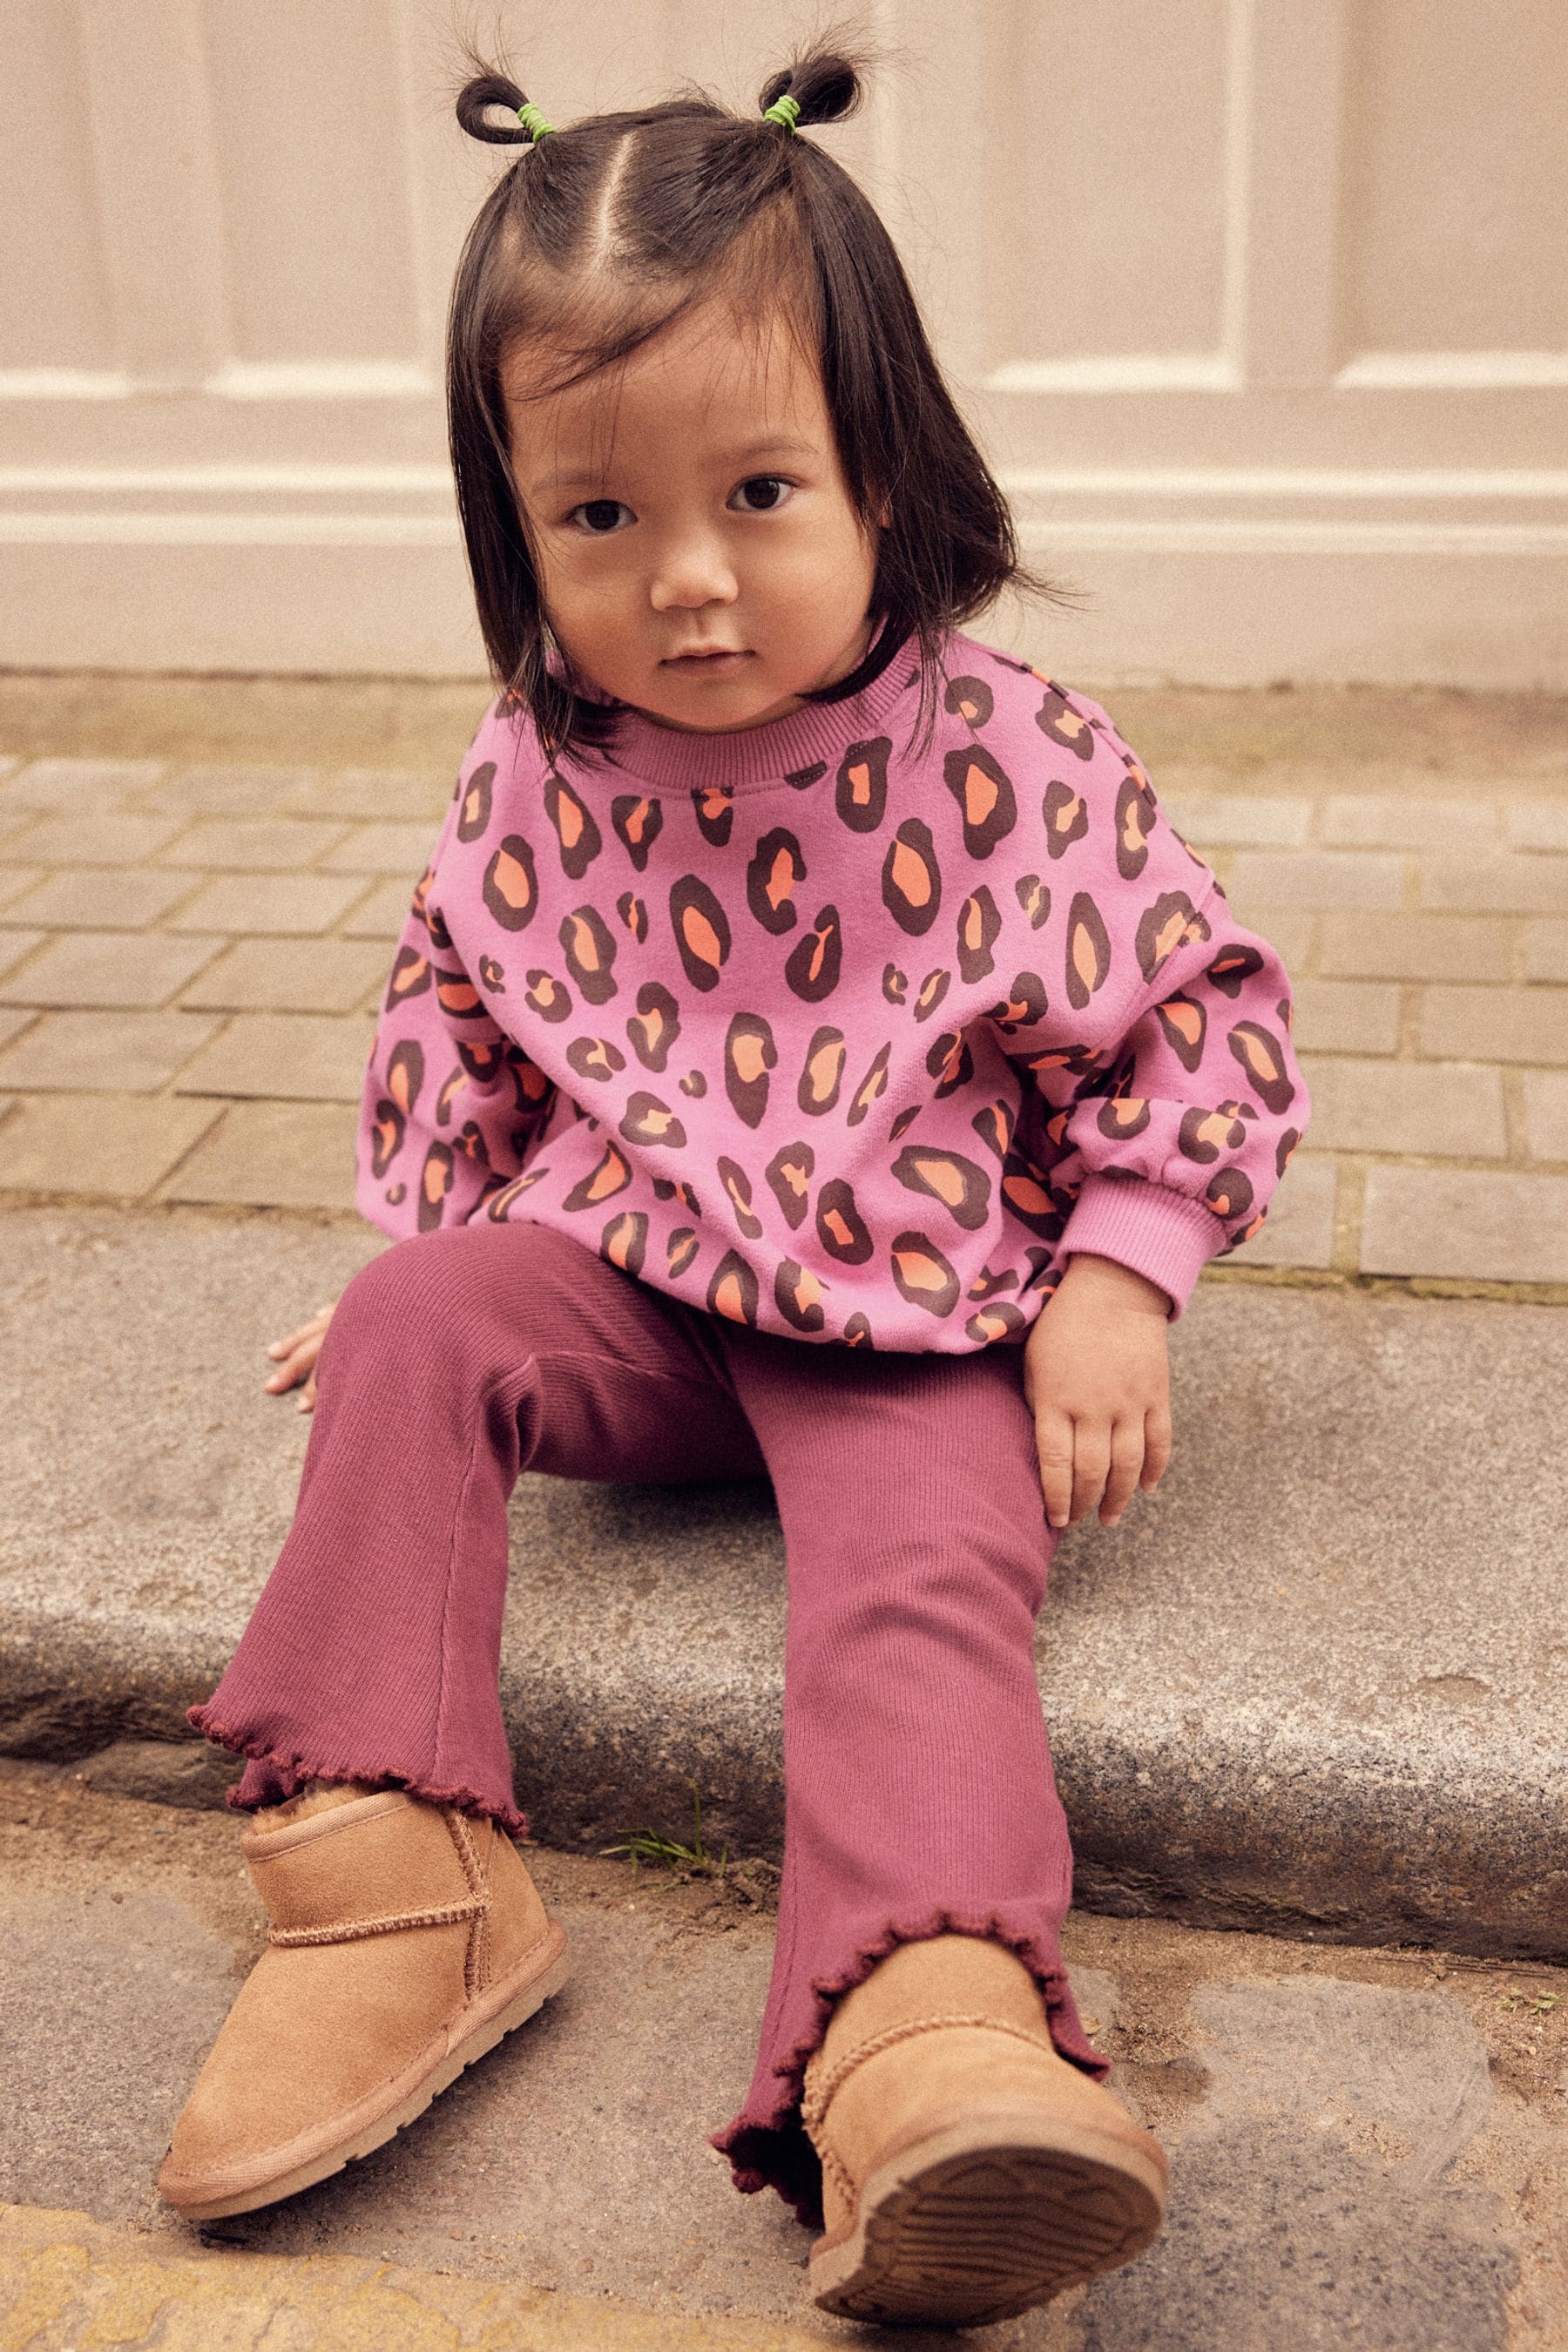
818, 2095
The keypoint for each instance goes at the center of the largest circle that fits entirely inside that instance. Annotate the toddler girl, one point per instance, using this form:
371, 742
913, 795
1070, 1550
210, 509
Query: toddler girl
809, 1051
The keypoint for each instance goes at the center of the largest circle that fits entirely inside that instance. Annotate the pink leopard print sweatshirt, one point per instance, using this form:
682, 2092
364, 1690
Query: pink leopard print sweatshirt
841, 1039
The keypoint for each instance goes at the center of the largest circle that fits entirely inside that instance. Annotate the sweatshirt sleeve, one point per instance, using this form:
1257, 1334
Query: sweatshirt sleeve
450, 1100
1179, 1139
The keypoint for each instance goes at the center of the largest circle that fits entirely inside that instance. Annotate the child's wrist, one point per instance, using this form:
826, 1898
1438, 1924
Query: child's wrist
1108, 1276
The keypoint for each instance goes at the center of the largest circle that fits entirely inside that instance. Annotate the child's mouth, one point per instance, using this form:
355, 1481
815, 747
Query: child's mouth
714, 660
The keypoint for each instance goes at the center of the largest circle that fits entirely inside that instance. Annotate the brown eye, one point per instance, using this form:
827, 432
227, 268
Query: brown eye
763, 493
599, 516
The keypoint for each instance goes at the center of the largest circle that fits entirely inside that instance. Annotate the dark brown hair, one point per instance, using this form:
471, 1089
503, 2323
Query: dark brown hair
608, 230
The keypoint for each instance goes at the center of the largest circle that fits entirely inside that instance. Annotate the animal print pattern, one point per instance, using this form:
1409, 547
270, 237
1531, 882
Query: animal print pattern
857, 1050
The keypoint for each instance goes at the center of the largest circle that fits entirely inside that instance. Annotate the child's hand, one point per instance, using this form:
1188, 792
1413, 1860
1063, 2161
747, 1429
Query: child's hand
300, 1351
1097, 1379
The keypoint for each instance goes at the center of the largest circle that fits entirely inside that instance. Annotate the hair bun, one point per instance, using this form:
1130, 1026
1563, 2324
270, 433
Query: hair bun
824, 83
488, 90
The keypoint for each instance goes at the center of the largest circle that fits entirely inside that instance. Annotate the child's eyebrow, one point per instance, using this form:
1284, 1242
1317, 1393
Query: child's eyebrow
587, 476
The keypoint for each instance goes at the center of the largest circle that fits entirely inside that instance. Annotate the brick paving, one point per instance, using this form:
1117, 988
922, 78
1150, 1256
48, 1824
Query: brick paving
191, 956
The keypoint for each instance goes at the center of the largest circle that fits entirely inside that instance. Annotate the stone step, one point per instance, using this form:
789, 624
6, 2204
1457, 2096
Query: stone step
1317, 1684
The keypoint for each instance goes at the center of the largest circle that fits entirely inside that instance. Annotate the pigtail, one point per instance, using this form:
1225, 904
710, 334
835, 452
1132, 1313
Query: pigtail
825, 85
487, 90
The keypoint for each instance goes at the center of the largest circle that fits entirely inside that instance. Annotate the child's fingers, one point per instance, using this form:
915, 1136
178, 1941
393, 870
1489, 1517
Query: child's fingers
299, 1360
1126, 1462
1090, 1463
1156, 1445
1053, 1441
313, 1329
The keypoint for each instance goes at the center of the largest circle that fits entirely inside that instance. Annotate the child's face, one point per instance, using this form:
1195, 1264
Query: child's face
698, 554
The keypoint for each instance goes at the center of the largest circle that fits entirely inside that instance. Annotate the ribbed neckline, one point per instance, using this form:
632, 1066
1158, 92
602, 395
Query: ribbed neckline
765, 754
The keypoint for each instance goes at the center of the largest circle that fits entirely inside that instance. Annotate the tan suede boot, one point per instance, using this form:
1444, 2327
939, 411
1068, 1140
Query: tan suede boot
969, 2170
406, 1940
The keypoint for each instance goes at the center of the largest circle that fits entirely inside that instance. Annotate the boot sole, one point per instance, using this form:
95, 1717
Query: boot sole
972, 2224
374, 2134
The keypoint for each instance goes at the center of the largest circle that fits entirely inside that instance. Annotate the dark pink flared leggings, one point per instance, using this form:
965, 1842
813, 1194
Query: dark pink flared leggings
919, 1791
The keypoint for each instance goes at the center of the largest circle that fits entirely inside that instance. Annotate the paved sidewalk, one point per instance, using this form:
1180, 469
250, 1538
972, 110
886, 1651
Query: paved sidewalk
1369, 2148
192, 952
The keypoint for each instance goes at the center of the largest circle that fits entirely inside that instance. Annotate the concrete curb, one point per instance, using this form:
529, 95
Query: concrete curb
1317, 1684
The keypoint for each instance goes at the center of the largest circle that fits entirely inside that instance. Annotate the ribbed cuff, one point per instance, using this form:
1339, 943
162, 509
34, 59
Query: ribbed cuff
1159, 1234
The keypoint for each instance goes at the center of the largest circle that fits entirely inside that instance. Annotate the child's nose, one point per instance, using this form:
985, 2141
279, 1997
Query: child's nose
691, 573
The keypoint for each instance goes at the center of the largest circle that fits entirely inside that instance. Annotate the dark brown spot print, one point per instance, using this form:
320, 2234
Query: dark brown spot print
987, 1285
1024, 1004
548, 997
994, 1126
458, 998
1122, 1117
447, 1094
435, 1184
775, 873
633, 912
668, 1188
1172, 921
1185, 1026
610, 1175
911, 879
638, 824
1044, 1273
1001, 1321
857, 1332
714, 805
1034, 899
963, 1187
749, 1054
1262, 1056
738, 1192
574, 828
984, 790
1026, 1195
436, 924
823, 1073
732, 1292
979, 926
693, 1083
1284, 1151
492, 975
1205, 1134
971, 698
904, 1122
929, 993
840, 1228
410, 976
1066, 817
861, 796
922, 1275
1233, 968
406, 1075
895, 984
1063, 726
1134, 824
388, 1128
655, 1026
474, 815
950, 1063
595, 1057
798, 1295
590, 954
701, 932
788, 1174
813, 968
679, 1251
1088, 952
804, 777
510, 887
530, 1088
499, 1203
648, 1120
623, 1241
872, 1088
1228, 1193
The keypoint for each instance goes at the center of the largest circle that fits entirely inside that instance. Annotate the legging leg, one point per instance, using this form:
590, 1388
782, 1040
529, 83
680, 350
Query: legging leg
920, 1796
453, 1362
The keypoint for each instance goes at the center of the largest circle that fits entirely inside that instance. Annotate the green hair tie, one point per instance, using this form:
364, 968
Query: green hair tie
784, 111
532, 121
